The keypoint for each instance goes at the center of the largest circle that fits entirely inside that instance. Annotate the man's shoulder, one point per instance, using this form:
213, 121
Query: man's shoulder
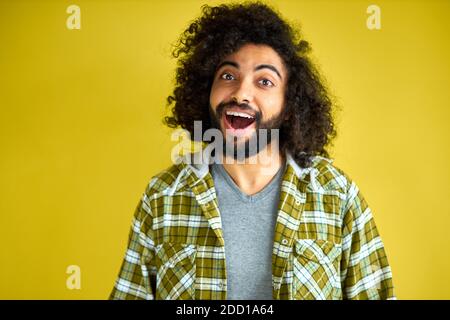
172, 177
330, 176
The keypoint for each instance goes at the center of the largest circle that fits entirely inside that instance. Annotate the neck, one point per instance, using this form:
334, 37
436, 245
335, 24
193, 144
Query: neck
256, 172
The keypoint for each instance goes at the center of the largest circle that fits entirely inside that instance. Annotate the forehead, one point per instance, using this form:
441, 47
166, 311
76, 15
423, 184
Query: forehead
251, 55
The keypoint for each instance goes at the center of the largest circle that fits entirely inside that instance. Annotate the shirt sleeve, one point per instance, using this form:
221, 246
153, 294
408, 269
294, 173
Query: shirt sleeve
136, 280
365, 271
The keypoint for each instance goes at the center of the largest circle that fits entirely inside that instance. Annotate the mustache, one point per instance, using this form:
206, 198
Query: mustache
221, 107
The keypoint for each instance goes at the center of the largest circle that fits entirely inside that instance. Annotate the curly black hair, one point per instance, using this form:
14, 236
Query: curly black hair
222, 30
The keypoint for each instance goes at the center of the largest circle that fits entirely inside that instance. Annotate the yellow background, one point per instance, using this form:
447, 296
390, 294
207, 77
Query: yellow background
81, 131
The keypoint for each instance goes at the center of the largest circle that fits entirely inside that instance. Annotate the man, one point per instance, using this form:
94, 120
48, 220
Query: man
270, 217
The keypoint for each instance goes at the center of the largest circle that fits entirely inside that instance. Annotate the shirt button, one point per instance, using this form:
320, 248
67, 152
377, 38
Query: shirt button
297, 202
220, 284
284, 242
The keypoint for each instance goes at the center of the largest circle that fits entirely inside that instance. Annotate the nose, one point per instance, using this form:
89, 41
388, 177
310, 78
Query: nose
243, 92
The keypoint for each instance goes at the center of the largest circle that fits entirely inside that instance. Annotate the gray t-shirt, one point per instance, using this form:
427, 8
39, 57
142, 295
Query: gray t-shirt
248, 224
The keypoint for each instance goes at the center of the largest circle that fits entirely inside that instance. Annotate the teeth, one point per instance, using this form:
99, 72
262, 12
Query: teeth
239, 114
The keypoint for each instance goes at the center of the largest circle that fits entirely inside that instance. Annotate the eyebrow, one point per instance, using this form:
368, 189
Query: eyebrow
259, 67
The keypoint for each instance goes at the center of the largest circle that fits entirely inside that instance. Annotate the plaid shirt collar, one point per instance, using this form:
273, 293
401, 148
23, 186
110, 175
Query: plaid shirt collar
198, 165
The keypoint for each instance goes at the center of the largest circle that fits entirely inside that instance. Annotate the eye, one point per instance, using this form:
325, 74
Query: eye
266, 82
226, 76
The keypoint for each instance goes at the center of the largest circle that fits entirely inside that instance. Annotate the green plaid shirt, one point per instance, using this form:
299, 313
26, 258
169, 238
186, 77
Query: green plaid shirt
326, 244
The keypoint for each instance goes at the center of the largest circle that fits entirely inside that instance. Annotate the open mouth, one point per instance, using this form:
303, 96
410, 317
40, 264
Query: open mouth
239, 120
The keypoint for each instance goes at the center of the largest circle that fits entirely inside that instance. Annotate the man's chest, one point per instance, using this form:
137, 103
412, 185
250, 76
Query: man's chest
190, 240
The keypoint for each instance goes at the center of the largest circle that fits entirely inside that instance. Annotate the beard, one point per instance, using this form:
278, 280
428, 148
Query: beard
262, 136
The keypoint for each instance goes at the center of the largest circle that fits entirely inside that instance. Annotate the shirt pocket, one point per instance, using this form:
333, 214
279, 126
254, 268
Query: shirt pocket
176, 271
316, 273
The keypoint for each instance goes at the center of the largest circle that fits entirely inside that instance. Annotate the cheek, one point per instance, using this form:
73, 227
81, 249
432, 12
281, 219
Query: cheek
219, 94
272, 105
